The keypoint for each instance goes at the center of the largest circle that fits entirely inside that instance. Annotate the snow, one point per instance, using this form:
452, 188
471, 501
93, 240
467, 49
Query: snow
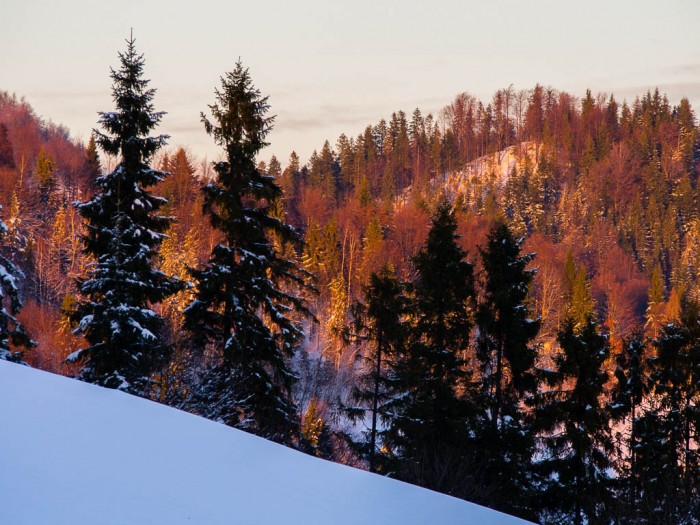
7, 278
499, 164
71, 452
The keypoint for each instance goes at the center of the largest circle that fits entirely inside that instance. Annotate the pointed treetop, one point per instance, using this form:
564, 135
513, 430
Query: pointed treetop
239, 113
134, 116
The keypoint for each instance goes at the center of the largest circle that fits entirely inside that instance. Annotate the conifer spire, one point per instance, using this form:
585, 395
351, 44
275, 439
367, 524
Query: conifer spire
124, 233
246, 294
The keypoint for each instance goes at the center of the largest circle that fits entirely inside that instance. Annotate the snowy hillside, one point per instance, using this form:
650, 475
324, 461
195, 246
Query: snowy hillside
75, 453
494, 169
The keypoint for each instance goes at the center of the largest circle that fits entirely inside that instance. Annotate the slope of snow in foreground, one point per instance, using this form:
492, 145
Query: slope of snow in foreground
73, 453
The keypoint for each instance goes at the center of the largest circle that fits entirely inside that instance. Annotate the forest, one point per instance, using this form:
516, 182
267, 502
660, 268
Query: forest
500, 302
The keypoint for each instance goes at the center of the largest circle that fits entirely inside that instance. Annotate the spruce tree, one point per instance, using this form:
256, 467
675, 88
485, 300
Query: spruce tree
632, 385
246, 293
380, 326
45, 173
575, 428
506, 355
6, 152
657, 477
124, 232
315, 436
432, 414
324, 172
570, 271
12, 333
92, 167
289, 182
581, 306
668, 453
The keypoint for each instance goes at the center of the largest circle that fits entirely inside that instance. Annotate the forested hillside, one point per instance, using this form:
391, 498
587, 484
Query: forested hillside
499, 301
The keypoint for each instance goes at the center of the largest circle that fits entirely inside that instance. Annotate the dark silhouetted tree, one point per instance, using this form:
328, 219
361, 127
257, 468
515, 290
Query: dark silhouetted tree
12, 333
242, 305
432, 415
574, 419
6, 151
506, 354
381, 329
124, 233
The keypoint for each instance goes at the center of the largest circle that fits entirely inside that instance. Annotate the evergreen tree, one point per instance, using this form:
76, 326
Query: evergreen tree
346, 152
315, 434
656, 290
241, 307
180, 188
289, 183
575, 425
656, 307
388, 186
506, 354
432, 414
274, 169
124, 233
12, 333
570, 271
380, 328
92, 166
577, 291
336, 318
324, 172
372, 248
669, 457
363, 193
6, 151
632, 385
322, 255
45, 172
655, 482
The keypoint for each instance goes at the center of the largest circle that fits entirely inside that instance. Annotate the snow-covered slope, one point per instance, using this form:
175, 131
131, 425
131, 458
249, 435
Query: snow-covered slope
498, 165
73, 453
494, 168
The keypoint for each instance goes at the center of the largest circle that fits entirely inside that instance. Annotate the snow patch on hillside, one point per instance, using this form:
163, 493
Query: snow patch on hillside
76, 453
495, 169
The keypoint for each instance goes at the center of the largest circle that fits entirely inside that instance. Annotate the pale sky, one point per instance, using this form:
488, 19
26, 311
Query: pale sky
336, 66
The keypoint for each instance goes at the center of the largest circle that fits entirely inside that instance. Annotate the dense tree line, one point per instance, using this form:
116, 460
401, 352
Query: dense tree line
382, 304
470, 413
614, 184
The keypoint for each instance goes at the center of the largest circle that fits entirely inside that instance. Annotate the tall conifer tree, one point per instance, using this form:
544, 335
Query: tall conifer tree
576, 429
632, 386
243, 306
380, 325
432, 415
506, 353
124, 232
12, 333
6, 152
92, 167
667, 455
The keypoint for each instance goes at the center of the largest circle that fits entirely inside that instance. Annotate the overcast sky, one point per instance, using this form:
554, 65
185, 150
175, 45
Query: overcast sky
335, 66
